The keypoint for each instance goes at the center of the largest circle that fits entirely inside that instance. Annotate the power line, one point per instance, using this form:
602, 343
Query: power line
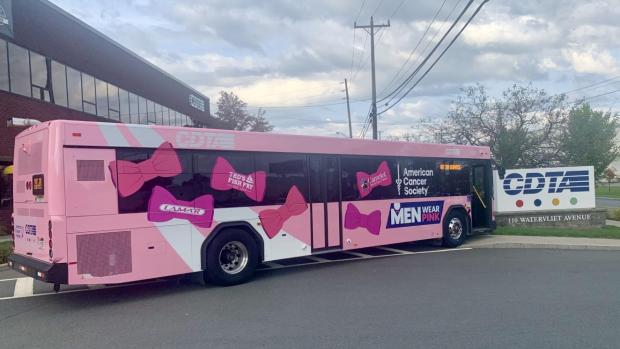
353, 51
307, 105
438, 58
581, 100
604, 82
419, 67
414, 49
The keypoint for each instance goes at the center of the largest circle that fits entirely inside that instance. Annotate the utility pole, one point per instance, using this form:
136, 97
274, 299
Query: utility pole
372, 27
346, 90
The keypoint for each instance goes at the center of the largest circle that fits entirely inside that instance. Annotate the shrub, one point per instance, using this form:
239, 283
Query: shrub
613, 213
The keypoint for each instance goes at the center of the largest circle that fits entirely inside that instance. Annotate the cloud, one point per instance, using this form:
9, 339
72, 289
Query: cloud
591, 60
291, 53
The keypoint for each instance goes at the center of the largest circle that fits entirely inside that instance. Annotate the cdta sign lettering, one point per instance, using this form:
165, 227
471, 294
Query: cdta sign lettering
552, 181
545, 189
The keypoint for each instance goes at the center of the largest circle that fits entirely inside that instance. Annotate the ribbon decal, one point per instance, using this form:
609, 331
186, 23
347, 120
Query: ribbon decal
273, 219
163, 206
353, 219
128, 177
224, 177
367, 182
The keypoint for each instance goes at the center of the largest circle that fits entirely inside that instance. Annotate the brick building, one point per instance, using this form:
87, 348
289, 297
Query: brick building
54, 66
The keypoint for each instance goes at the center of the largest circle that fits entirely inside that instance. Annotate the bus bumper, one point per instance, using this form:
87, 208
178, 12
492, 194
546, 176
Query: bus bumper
47, 272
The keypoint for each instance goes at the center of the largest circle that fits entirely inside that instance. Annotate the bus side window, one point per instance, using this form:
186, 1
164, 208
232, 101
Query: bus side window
283, 172
180, 186
351, 165
454, 177
204, 167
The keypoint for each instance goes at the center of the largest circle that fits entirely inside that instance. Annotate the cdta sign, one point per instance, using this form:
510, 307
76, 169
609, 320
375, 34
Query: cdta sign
545, 189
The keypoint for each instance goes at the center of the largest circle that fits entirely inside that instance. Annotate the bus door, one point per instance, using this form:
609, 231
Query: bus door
482, 194
326, 213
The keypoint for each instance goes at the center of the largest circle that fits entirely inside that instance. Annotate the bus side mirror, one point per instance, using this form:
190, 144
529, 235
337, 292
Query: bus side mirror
501, 171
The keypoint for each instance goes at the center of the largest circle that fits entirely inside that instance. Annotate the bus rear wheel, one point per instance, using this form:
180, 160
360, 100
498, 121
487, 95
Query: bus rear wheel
231, 258
455, 228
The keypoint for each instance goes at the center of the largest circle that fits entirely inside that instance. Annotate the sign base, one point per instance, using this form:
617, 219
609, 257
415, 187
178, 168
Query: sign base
575, 218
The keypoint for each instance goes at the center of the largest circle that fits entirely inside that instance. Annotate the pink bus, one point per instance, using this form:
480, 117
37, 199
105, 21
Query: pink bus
104, 203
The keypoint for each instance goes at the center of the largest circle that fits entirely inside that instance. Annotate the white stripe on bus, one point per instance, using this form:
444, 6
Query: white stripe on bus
113, 135
146, 136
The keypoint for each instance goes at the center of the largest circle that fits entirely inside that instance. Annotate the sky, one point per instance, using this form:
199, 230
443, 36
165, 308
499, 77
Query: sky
291, 57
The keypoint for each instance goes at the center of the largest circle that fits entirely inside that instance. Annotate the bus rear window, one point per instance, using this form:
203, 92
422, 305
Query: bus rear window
30, 159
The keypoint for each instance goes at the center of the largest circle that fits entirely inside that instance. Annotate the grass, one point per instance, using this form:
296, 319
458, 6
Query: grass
608, 192
5, 251
607, 232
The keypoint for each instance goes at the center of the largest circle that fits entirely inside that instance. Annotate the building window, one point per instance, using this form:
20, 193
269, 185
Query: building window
114, 107
88, 94
123, 97
19, 70
101, 88
142, 110
4, 67
133, 108
159, 114
150, 109
59, 84
40, 68
74, 88
166, 116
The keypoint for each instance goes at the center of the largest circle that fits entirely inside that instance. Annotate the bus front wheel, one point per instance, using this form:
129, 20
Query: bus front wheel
231, 258
455, 228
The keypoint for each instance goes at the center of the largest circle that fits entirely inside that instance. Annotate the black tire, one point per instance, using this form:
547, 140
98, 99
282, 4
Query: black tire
221, 269
455, 217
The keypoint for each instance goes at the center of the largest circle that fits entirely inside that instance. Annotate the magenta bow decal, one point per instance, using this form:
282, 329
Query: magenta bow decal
367, 182
129, 177
354, 219
273, 219
163, 206
224, 177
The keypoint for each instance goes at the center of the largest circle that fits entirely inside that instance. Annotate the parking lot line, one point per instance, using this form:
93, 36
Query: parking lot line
12, 279
24, 287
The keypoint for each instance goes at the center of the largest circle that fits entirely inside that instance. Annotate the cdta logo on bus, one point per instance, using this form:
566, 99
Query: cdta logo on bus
553, 181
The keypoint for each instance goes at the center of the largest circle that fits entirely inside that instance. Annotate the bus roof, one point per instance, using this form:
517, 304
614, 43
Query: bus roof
103, 134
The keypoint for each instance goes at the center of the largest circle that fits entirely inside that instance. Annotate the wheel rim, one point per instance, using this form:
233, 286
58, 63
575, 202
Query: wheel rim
233, 257
455, 228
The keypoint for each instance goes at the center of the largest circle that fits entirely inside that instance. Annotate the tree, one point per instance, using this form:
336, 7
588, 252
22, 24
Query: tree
589, 139
609, 174
233, 113
523, 127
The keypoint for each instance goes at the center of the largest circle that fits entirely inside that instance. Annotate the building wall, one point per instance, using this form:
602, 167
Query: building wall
12, 105
49, 30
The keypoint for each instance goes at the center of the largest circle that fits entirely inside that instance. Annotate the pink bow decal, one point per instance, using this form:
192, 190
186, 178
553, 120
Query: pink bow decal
129, 177
224, 177
354, 219
163, 206
273, 219
367, 182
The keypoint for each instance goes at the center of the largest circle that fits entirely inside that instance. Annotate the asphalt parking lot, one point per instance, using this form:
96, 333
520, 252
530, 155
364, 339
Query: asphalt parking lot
469, 298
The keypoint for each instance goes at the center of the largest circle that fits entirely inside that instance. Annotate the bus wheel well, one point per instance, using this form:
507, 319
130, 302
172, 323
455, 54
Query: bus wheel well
221, 229
461, 209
